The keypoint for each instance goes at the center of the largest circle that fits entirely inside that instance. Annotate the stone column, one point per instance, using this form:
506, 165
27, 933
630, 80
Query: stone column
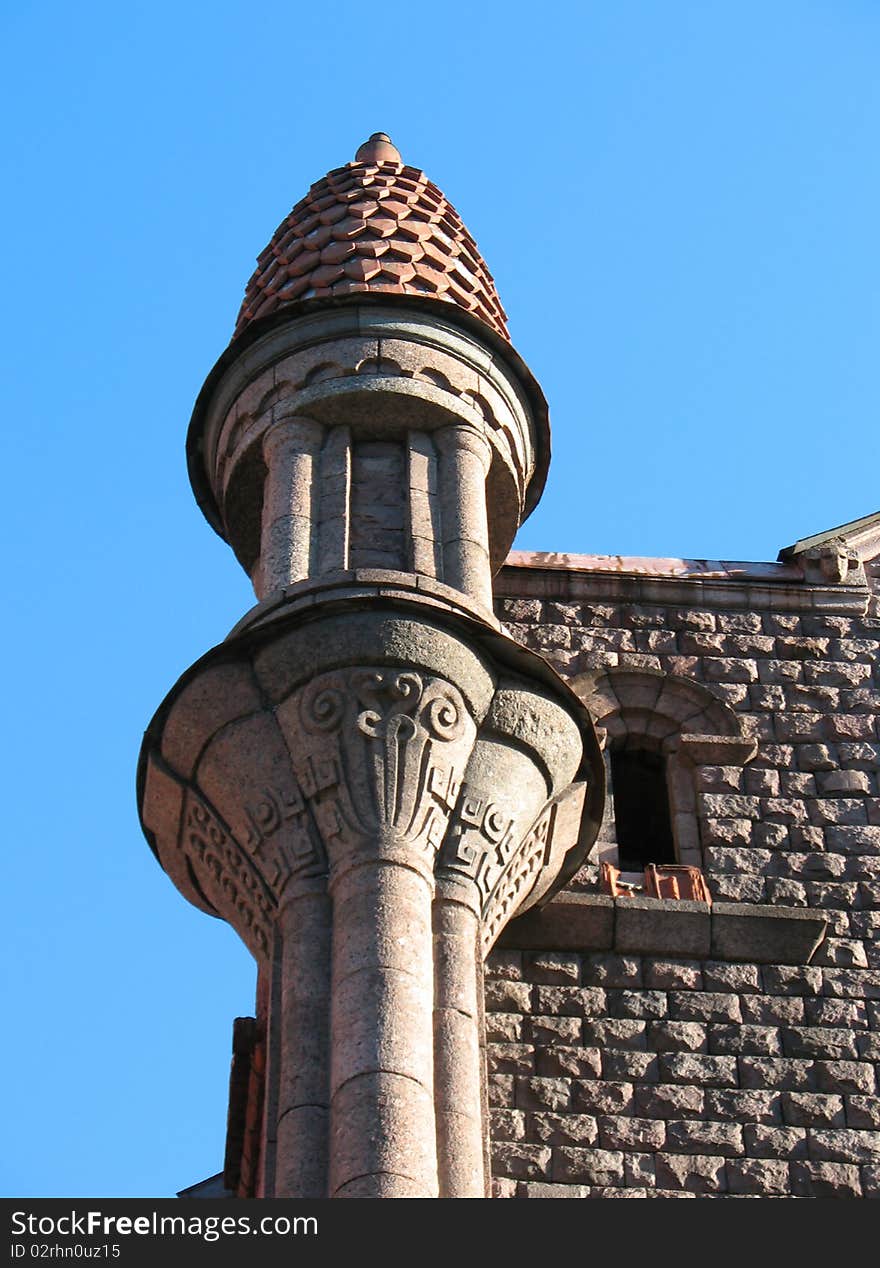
382, 1134
289, 449
304, 1038
465, 455
457, 1039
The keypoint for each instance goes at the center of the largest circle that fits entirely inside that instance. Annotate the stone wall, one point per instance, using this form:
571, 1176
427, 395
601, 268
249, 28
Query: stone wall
618, 1075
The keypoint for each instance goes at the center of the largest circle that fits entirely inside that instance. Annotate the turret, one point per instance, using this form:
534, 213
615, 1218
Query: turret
368, 779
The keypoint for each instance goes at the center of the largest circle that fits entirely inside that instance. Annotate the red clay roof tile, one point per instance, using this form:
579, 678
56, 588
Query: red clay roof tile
375, 225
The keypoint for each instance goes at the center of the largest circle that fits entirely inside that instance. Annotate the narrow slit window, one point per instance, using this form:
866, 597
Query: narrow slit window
641, 809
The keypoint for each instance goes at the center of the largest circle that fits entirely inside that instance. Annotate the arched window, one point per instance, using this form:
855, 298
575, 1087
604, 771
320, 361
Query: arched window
643, 824
657, 729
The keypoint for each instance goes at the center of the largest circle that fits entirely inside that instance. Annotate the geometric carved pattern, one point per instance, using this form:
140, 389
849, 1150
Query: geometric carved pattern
225, 874
486, 844
378, 754
243, 797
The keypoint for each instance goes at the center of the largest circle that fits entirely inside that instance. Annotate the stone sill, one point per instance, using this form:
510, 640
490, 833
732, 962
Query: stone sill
656, 926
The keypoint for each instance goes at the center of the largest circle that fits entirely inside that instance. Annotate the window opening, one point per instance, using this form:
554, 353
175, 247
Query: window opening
641, 809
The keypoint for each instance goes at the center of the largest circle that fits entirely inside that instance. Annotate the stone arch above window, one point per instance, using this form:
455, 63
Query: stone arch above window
675, 719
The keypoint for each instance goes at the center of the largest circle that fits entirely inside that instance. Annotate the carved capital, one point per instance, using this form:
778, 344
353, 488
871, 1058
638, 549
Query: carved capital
379, 754
276, 767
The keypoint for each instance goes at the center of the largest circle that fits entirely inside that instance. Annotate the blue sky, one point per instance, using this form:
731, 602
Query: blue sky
679, 201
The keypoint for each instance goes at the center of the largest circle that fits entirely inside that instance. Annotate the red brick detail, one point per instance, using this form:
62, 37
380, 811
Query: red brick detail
372, 227
660, 881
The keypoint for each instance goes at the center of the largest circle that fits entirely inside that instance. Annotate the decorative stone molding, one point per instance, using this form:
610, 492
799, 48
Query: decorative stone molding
729, 586
832, 561
388, 374
648, 709
369, 797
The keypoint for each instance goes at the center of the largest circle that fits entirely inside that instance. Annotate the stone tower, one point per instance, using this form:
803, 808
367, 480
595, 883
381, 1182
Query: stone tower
368, 778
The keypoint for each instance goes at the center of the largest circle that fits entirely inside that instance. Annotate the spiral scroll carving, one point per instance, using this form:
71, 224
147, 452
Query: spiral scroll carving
390, 746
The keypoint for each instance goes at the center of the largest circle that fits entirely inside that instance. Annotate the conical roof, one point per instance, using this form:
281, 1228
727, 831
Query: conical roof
374, 227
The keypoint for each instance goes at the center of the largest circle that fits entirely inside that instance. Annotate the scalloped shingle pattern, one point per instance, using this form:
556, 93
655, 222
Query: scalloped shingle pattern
376, 229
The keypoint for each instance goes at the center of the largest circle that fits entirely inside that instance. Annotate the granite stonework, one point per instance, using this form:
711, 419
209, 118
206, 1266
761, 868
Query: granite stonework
640, 1048
368, 779
389, 777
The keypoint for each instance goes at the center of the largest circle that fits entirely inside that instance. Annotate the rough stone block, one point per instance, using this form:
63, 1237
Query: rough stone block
783, 892
546, 1031
855, 1077
588, 1166
642, 1134
738, 978
507, 1124
559, 1001
647, 1005
785, 980
853, 838
736, 889
832, 1044
762, 1141
691, 1136
763, 1177
725, 834
510, 1058
670, 1101
844, 782
686, 1067
574, 1063
831, 1011
563, 1129
501, 1090
615, 1032
551, 967
825, 1180
845, 952
772, 1010
697, 1174
640, 1170
612, 971
706, 1006
677, 1036
535, 1188
715, 779
863, 1112
838, 810
625, 1066
844, 1145
729, 806
520, 1161
543, 1093
502, 964
504, 1027
812, 1109
673, 974
727, 859
508, 997
745, 1041
743, 1106
591, 1096
776, 1072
